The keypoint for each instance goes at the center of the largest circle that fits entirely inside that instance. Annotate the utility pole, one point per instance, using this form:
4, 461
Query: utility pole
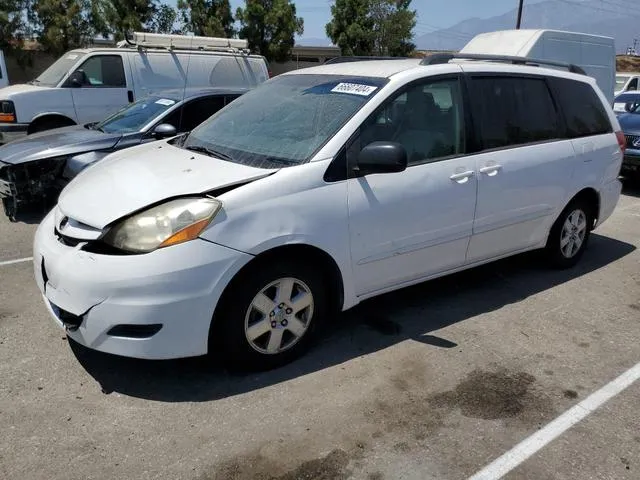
519, 21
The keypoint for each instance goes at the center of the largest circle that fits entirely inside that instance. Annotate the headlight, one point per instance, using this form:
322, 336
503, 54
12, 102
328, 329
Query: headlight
174, 222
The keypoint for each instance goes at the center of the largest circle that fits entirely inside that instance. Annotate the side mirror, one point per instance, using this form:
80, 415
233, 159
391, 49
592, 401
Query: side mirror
76, 79
165, 130
382, 157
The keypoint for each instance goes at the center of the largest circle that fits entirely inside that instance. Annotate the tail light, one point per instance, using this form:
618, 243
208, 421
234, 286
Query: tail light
622, 141
7, 112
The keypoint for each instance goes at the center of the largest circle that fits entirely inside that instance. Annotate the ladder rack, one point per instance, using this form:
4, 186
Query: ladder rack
145, 40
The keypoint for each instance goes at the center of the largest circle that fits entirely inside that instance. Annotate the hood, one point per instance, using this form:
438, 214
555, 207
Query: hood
55, 143
7, 93
129, 180
630, 123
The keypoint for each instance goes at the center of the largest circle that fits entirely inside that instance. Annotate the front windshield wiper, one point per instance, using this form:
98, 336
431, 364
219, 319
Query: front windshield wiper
209, 151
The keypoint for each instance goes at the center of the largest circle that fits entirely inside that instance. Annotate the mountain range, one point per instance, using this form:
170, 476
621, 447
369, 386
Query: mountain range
588, 16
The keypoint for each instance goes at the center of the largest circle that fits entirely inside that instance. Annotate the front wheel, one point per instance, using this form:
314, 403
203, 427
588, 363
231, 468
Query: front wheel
570, 234
270, 315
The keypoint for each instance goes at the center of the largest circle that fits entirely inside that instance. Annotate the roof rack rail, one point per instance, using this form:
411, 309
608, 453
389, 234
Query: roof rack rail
345, 59
440, 58
144, 40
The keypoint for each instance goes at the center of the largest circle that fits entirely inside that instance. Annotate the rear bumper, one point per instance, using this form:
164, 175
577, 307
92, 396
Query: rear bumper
631, 160
609, 196
12, 131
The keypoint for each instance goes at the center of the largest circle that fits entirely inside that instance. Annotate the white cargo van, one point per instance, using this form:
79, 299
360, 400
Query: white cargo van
627, 82
87, 85
596, 55
4, 77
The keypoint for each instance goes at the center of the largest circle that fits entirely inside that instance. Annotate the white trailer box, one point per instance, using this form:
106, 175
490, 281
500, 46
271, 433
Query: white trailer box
595, 54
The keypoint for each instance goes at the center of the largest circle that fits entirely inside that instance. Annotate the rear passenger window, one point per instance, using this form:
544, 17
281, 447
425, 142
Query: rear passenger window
511, 111
583, 110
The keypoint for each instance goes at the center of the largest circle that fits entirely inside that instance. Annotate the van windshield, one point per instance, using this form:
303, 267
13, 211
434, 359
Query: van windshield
135, 116
285, 120
56, 72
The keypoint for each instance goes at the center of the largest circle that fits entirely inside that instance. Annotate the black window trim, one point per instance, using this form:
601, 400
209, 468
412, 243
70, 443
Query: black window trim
101, 55
552, 93
339, 170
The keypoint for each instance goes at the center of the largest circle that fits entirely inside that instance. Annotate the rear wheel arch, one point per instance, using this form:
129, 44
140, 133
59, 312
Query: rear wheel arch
591, 198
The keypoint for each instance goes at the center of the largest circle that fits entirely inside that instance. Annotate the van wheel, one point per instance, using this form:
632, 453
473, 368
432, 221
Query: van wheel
49, 124
269, 317
569, 235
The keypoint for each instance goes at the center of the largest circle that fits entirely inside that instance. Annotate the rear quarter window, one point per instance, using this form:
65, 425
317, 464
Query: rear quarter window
583, 111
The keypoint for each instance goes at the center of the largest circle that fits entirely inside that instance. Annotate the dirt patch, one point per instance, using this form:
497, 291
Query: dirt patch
402, 447
257, 467
495, 395
570, 394
375, 476
584, 344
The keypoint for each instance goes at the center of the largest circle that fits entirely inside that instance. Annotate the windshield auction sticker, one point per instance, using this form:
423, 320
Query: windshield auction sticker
354, 89
165, 101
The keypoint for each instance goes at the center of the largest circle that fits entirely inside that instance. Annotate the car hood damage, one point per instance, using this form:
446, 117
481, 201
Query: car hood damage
57, 143
133, 179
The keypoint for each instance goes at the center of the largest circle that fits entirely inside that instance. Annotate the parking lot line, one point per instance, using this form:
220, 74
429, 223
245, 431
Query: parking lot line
529, 446
18, 260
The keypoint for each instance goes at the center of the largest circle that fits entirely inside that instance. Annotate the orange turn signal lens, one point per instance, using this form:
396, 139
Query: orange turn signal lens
188, 233
7, 117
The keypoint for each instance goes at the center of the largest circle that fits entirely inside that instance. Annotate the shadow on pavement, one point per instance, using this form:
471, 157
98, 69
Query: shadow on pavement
409, 314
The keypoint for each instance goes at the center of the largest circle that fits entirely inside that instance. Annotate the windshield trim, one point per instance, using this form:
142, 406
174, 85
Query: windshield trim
277, 162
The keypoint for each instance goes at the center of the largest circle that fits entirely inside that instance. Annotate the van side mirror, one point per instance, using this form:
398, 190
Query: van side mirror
76, 79
164, 130
382, 157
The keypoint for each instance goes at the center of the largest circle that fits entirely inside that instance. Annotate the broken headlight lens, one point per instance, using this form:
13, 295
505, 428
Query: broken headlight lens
171, 223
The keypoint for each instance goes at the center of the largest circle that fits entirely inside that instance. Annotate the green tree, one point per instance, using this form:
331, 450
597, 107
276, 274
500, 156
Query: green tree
62, 24
351, 27
209, 18
122, 16
12, 24
372, 27
270, 27
164, 19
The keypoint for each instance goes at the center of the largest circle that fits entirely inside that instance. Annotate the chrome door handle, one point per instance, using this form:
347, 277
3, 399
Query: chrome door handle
491, 170
461, 177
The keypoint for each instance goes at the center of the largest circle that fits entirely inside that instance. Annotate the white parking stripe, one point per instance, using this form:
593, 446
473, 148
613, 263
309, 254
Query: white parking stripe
18, 260
529, 446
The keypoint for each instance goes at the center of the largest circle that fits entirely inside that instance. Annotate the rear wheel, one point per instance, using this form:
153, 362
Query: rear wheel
270, 315
570, 234
49, 124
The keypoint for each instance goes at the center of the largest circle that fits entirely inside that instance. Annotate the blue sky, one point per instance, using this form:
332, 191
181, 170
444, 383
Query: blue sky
432, 14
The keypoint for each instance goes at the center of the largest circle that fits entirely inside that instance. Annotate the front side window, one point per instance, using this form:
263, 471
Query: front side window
512, 111
633, 84
427, 119
135, 116
621, 81
284, 121
102, 71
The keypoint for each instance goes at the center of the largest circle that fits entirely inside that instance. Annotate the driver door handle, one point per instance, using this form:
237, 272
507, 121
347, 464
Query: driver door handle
462, 176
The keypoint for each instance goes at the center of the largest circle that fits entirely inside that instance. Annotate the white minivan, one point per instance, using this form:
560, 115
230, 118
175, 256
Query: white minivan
87, 85
320, 188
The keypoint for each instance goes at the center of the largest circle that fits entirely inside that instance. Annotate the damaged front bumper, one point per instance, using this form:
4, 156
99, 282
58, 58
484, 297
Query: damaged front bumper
30, 185
157, 305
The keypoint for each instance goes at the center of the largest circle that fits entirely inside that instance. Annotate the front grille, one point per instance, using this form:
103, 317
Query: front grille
630, 139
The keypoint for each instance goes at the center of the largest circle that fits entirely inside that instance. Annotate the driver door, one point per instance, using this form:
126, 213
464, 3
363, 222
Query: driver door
99, 88
409, 225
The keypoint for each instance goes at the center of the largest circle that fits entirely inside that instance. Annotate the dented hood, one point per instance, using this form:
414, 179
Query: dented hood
130, 180
56, 143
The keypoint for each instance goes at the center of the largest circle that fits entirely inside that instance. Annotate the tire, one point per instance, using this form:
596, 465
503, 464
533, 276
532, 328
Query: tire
570, 234
49, 125
245, 337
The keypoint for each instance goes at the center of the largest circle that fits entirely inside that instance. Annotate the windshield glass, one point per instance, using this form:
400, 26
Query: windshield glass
284, 121
627, 103
56, 72
135, 116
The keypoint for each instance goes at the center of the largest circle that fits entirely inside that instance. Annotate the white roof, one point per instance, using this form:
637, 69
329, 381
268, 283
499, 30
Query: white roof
367, 68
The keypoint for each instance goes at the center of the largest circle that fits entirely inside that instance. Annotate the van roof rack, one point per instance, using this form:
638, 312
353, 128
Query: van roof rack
344, 59
440, 58
145, 40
